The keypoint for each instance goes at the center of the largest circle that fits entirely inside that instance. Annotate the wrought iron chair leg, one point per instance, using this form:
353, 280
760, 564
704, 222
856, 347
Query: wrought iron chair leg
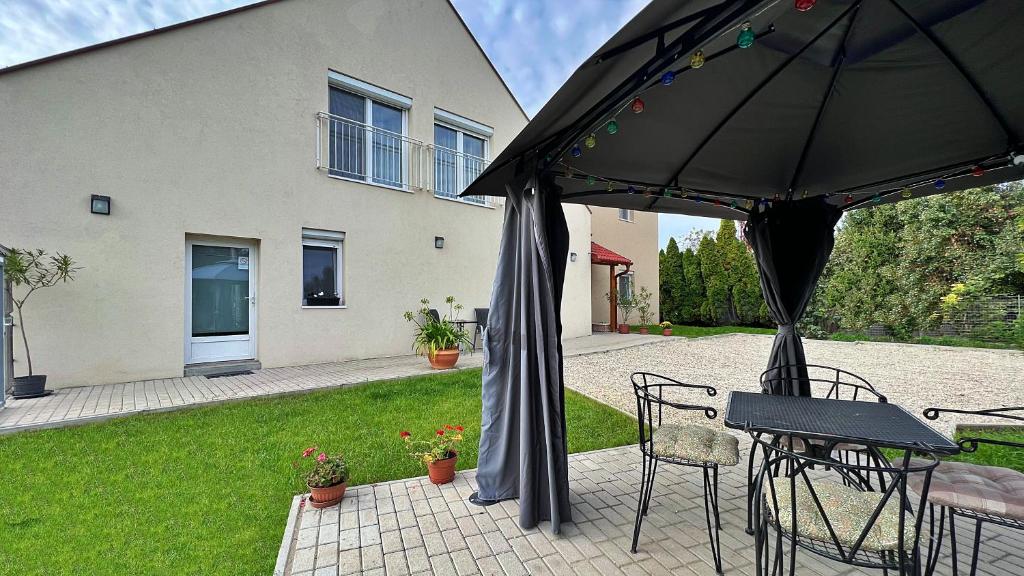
750, 489
952, 543
650, 489
935, 538
646, 487
977, 547
718, 518
711, 509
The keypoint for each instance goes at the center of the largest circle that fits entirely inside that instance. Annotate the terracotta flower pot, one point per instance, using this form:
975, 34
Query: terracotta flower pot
442, 471
666, 332
644, 330
329, 496
623, 328
444, 359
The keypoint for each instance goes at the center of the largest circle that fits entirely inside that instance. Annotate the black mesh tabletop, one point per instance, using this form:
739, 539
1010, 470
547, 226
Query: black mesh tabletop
870, 423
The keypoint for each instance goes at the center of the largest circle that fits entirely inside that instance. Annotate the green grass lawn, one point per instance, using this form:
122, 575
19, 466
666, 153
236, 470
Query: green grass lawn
957, 341
697, 331
207, 490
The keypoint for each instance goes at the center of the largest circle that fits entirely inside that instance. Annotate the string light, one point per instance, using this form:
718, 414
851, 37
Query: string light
803, 195
667, 193
668, 77
613, 126
749, 204
732, 205
576, 151
805, 5
940, 184
906, 193
977, 171
1018, 159
849, 198
590, 141
746, 36
590, 180
637, 106
610, 187
697, 60
877, 198
630, 189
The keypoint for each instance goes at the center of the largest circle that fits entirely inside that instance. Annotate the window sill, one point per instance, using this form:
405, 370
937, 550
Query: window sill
464, 202
342, 307
371, 183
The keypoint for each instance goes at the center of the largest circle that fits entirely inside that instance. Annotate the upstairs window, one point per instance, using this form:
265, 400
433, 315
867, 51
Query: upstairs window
625, 215
366, 132
460, 155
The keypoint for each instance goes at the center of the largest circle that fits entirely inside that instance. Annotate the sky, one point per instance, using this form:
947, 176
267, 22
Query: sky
534, 44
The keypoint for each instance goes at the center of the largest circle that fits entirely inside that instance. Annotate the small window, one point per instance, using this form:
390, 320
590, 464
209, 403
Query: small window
321, 268
625, 286
625, 215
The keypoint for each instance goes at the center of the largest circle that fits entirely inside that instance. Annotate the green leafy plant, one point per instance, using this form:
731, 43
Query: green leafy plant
665, 325
327, 470
440, 446
444, 333
625, 300
32, 270
643, 305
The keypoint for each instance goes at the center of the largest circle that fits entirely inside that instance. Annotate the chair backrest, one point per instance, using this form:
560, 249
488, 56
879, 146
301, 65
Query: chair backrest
481, 316
824, 382
650, 391
970, 443
434, 315
834, 509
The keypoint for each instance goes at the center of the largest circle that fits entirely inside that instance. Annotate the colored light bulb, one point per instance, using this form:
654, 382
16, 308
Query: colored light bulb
746, 36
805, 5
697, 60
940, 184
590, 141
612, 127
849, 198
732, 204
668, 77
637, 106
630, 189
576, 151
877, 198
977, 171
749, 204
590, 180
697, 199
906, 193
610, 187
718, 202
667, 193
647, 192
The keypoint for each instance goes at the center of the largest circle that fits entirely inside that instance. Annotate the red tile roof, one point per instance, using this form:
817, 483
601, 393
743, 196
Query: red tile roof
601, 255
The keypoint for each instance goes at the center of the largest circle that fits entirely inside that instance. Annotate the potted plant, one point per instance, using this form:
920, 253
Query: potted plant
328, 478
643, 308
626, 303
438, 453
666, 328
33, 270
321, 299
439, 338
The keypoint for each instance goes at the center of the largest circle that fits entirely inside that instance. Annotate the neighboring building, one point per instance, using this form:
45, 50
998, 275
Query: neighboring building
634, 236
281, 181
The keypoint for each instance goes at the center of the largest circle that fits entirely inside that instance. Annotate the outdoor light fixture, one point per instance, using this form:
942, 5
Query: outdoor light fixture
100, 205
438, 242
572, 256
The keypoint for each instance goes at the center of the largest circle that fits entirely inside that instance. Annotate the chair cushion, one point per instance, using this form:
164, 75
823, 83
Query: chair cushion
847, 509
985, 489
696, 443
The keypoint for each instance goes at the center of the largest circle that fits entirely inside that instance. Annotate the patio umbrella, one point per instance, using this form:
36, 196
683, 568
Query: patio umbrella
783, 113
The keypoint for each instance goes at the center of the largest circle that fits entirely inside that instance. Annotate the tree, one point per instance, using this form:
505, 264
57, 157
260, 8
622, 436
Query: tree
672, 282
34, 270
691, 296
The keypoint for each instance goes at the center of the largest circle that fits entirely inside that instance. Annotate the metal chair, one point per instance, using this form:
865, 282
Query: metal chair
481, 323
835, 515
825, 382
685, 445
434, 315
985, 494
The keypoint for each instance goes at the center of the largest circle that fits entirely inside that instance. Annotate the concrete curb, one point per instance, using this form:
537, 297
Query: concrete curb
288, 537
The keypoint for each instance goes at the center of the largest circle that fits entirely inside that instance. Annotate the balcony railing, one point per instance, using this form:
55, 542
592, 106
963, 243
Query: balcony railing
357, 151
453, 171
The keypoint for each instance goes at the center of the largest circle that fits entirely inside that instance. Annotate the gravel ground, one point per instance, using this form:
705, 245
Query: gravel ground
913, 376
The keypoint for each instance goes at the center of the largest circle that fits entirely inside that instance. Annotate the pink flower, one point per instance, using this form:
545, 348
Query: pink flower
321, 457
306, 453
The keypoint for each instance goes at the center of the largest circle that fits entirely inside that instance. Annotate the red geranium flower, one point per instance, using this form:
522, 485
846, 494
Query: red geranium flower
459, 428
404, 434
440, 432
306, 453
448, 427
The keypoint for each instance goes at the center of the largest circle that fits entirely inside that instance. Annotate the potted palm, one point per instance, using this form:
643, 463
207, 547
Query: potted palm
32, 270
643, 308
439, 337
328, 478
438, 453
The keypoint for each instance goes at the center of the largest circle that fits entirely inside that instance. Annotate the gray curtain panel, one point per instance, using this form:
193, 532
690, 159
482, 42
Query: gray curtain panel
792, 242
523, 451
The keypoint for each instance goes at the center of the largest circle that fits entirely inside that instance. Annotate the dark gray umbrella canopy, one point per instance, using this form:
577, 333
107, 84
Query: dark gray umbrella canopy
854, 100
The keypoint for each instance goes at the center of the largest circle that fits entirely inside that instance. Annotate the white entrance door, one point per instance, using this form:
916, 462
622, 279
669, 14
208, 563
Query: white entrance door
220, 301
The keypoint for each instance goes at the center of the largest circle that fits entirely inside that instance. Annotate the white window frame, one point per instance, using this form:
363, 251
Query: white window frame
326, 239
461, 126
632, 283
371, 94
629, 215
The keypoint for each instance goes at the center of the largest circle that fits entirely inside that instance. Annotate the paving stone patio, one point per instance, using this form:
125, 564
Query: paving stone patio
413, 527
89, 403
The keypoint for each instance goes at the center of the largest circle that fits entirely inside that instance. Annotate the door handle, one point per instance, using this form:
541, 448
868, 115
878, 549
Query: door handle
251, 299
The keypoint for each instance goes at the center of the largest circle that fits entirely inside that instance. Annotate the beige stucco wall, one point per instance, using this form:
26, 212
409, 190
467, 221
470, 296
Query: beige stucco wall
636, 240
576, 319
209, 130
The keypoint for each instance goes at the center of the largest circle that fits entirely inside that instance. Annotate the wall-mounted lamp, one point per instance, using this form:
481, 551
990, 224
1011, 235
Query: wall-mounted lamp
572, 256
438, 242
100, 205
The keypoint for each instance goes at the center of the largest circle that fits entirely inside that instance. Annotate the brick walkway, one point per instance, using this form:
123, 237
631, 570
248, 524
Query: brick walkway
90, 403
413, 527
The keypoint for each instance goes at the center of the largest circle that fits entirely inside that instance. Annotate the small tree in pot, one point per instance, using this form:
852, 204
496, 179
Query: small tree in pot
643, 308
32, 270
439, 338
